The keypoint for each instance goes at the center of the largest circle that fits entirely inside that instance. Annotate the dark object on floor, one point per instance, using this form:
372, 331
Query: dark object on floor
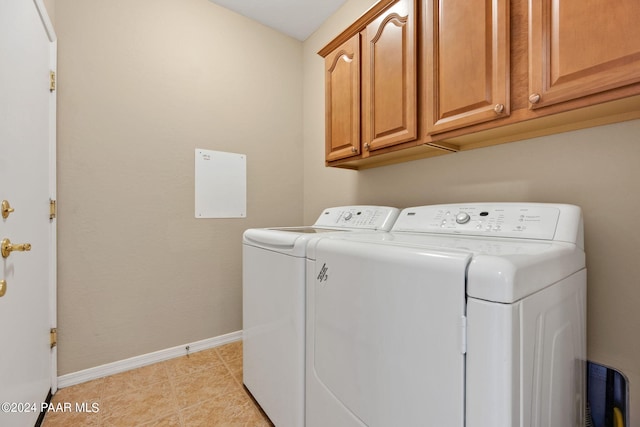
607, 397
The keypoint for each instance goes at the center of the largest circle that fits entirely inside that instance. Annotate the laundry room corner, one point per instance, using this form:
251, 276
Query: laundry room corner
141, 85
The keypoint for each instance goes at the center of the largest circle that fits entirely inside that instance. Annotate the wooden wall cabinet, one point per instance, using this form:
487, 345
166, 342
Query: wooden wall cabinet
342, 100
390, 78
490, 72
466, 57
371, 83
581, 47
573, 64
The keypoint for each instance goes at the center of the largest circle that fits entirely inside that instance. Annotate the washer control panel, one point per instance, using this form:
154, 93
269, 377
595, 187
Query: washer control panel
358, 217
530, 221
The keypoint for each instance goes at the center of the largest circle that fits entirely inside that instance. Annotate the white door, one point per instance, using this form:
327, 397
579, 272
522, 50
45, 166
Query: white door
27, 182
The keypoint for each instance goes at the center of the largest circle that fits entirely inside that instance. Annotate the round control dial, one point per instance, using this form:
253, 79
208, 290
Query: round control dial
348, 216
462, 218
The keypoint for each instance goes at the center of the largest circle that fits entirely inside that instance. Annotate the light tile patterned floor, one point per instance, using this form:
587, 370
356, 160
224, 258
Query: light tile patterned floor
204, 389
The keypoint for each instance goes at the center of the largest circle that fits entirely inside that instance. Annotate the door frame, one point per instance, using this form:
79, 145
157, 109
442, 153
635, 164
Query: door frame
53, 274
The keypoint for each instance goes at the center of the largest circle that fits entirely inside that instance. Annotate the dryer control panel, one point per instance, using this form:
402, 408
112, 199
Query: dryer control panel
519, 220
358, 217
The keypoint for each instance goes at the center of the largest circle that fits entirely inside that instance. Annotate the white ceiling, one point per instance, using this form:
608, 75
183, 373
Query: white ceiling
296, 18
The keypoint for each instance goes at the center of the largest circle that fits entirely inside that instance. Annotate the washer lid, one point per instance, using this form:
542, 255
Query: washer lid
304, 230
289, 240
293, 240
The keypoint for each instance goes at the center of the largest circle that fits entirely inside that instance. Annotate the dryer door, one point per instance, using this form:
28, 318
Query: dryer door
385, 335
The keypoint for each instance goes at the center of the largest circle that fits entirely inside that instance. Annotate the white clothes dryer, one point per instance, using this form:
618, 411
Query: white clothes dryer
273, 305
465, 315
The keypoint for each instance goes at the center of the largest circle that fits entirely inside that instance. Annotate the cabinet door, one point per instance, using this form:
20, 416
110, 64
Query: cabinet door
342, 103
466, 53
582, 47
389, 78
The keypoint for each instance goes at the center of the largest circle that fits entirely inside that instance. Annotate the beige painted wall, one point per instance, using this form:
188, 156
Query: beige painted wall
594, 168
141, 85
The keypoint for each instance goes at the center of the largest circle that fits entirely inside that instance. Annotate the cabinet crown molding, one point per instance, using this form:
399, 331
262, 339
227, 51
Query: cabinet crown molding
357, 26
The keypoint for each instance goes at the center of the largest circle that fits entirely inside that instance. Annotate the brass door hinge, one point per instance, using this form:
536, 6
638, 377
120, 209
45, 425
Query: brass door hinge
52, 209
52, 81
53, 337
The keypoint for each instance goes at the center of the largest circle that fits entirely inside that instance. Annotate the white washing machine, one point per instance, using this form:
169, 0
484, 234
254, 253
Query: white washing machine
273, 304
463, 315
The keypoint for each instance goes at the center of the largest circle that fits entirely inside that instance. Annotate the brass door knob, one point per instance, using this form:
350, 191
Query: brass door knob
3, 288
499, 108
6, 209
7, 247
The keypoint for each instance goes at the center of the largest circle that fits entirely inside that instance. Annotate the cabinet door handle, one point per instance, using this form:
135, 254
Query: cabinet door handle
534, 98
366, 147
499, 108
354, 149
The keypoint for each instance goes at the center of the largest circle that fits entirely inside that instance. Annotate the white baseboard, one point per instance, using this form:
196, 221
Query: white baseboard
144, 360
